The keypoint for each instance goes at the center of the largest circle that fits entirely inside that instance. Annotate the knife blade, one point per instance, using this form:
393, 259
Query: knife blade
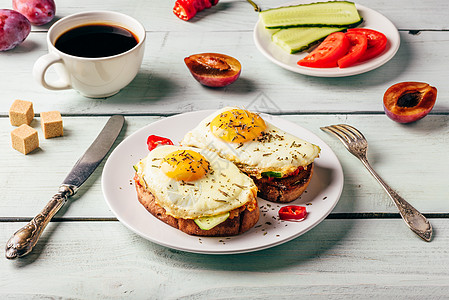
95, 153
23, 240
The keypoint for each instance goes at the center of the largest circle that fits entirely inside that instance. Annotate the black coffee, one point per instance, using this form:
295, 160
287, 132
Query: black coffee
97, 40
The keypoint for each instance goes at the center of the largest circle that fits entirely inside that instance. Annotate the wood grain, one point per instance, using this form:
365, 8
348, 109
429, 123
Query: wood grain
35, 177
234, 15
362, 250
165, 86
338, 258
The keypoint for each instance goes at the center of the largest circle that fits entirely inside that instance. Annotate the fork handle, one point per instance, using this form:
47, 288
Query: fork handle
412, 217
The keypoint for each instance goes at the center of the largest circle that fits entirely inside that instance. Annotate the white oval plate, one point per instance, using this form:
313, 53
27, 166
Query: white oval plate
372, 20
320, 198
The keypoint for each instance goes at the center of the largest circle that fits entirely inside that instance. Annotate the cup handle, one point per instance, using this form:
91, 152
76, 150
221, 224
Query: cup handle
40, 68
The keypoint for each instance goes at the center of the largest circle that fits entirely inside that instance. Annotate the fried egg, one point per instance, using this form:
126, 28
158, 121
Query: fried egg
253, 144
190, 183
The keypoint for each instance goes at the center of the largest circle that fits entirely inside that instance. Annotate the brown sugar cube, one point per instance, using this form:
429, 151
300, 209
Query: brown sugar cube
21, 112
51, 123
24, 139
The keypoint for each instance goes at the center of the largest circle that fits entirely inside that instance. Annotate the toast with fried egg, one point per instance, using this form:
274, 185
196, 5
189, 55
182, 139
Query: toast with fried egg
285, 189
197, 193
280, 164
240, 219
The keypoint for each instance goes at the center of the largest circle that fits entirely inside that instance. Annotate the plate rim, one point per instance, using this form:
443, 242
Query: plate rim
324, 72
339, 183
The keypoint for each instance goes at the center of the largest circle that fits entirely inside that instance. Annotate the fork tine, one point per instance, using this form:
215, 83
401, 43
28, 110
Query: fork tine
349, 136
342, 127
353, 130
338, 133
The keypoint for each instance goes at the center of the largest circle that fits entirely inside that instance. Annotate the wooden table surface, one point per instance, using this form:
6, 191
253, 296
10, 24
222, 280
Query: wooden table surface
362, 249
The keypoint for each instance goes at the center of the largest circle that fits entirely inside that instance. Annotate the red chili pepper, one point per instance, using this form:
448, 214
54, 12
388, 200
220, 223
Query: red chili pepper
293, 213
187, 9
153, 141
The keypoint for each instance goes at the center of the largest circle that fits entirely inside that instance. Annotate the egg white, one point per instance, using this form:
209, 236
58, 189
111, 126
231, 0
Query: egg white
278, 151
222, 189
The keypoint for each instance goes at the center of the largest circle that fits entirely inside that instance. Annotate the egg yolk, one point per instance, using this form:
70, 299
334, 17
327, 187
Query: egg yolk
237, 126
185, 165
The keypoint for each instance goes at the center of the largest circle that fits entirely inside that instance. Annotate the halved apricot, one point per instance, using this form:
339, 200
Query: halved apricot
407, 102
213, 69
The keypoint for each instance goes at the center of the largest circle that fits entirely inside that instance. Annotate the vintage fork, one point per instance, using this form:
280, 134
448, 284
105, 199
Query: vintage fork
356, 143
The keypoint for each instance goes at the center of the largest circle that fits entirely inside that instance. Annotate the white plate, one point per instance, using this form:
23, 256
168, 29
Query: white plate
372, 19
320, 198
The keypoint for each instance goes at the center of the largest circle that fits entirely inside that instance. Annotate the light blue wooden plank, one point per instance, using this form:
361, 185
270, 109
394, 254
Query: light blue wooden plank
338, 258
164, 84
239, 15
408, 157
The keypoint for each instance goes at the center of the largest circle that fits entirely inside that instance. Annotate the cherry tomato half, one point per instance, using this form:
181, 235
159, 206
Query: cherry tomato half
333, 47
359, 43
292, 213
377, 41
153, 141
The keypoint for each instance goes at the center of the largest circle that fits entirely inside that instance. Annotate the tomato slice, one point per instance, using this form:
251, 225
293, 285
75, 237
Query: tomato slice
292, 213
359, 43
153, 141
327, 54
377, 42
137, 179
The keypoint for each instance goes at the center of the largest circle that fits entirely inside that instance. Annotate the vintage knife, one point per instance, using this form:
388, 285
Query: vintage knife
23, 241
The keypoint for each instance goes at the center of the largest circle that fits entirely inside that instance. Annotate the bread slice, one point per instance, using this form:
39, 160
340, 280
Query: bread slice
284, 190
239, 221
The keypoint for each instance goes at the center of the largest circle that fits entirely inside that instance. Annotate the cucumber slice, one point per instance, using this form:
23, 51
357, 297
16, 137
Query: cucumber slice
299, 39
320, 14
206, 223
272, 174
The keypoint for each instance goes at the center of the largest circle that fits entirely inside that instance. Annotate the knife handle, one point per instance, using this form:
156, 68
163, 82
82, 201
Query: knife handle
23, 240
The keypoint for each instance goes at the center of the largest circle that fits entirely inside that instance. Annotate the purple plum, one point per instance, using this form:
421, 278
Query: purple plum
38, 12
14, 29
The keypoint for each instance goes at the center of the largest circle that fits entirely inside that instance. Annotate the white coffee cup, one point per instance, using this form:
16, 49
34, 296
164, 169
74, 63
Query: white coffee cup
92, 77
